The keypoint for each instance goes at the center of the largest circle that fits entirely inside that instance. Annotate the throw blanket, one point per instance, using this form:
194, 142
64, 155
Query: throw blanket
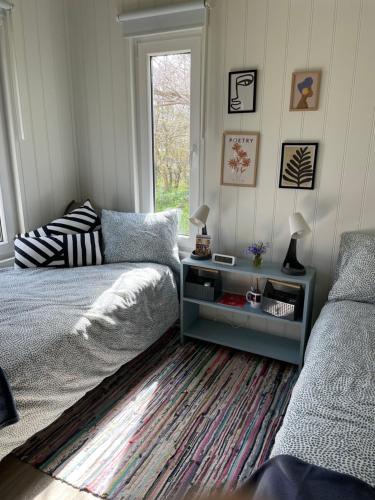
8, 412
285, 478
62, 331
330, 421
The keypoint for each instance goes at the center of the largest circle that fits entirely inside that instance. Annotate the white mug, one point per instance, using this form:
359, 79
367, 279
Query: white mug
255, 299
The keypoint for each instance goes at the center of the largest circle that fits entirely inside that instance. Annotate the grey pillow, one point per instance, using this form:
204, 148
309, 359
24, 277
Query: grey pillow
131, 237
355, 271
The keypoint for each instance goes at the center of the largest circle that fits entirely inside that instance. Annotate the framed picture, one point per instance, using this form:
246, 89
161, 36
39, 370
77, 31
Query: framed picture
240, 156
242, 91
304, 95
298, 162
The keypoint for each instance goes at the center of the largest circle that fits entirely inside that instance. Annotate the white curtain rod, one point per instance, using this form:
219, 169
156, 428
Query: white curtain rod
162, 10
5, 5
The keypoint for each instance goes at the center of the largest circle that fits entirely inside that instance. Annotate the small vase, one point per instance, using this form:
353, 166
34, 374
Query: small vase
257, 261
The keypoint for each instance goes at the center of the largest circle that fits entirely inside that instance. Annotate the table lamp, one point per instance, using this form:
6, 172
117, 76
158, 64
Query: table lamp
298, 229
202, 249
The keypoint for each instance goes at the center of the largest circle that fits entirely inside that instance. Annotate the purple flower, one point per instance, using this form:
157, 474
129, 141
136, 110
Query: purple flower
257, 248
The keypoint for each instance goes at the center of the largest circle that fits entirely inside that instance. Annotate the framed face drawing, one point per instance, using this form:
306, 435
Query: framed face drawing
240, 155
304, 94
242, 91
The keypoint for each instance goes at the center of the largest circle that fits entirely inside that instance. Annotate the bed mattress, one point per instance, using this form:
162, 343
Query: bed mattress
62, 331
330, 421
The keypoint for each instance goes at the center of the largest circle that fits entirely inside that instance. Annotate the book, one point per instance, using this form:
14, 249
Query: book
232, 299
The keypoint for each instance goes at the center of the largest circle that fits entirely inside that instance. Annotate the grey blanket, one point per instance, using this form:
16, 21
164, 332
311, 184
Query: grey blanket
62, 331
330, 421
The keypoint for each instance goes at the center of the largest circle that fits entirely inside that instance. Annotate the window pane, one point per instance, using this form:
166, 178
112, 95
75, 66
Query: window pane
170, 81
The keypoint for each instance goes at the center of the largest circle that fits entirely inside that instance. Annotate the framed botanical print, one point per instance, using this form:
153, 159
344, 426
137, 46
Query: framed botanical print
242, 91
239, 161
304, 95
298, 164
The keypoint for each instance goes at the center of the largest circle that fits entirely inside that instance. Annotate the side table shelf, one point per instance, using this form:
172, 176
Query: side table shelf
248, 339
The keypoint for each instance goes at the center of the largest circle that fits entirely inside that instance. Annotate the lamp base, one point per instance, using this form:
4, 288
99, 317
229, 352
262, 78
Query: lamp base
194, 256
291, 265
293, 272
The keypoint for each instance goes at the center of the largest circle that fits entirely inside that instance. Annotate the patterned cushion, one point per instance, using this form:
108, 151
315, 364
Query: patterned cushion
69, 250
80, 220
355, 272
130, 237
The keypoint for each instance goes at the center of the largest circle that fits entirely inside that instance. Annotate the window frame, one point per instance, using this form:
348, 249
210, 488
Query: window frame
8, 205
146, 47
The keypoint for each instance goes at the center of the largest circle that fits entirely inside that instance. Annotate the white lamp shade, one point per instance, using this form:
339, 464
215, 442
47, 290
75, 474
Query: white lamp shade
298, 226
199, 217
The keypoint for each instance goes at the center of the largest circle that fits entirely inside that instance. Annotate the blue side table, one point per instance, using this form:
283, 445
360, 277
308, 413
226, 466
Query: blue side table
248, 339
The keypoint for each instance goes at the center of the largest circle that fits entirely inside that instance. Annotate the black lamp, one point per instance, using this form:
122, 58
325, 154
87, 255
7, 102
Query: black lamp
298, 229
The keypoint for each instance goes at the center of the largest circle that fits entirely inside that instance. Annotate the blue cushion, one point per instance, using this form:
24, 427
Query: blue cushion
137, 237
355, 272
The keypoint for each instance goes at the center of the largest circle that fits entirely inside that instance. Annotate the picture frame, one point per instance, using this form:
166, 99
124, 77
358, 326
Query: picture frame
239, 159
298, 165
242, 87
305, 90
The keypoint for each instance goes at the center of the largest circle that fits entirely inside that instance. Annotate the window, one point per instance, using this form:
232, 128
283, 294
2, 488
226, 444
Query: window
168, 84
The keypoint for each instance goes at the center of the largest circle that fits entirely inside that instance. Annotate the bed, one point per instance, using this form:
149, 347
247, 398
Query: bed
326, 446
62, 331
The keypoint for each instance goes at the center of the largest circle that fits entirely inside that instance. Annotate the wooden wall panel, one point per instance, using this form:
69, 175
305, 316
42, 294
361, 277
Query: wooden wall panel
47, 155
277, 37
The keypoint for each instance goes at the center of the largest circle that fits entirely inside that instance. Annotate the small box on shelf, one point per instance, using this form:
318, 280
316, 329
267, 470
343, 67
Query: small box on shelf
203, 284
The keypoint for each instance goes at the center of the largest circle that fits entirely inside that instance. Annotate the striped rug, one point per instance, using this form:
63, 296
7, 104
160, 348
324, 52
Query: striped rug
176, 420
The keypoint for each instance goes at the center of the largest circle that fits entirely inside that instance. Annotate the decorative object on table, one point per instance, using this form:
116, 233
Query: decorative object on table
203, 241
304, 95
239, 161
257, 250
232, 299
254, 296
282, 299
298, 229
226, 260
298, 165
242, 91
203, 284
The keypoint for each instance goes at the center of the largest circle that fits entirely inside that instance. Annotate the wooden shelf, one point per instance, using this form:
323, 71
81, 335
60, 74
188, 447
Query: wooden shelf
245, 339
244, 266
246, 309
248, 339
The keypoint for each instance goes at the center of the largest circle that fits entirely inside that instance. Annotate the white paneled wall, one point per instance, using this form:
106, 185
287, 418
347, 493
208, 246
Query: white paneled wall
101, 86
47, 155
277, 37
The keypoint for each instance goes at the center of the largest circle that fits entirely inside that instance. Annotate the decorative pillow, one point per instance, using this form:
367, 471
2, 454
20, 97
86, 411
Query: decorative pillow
69, 250
80, 220
355, 271
44, 251
131, 237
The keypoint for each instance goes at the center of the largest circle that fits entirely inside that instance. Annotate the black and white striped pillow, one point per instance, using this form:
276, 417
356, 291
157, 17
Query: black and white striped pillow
83, 249
69, 250
81, 220
44, 251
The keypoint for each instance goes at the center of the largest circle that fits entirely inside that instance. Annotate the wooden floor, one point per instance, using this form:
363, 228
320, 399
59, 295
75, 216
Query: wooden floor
21, 481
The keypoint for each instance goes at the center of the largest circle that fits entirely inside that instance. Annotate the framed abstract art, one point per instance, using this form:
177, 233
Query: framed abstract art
242, 91
304, 95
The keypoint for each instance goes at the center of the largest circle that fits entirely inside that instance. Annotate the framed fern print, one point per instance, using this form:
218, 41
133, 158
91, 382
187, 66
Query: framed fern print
298, 164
